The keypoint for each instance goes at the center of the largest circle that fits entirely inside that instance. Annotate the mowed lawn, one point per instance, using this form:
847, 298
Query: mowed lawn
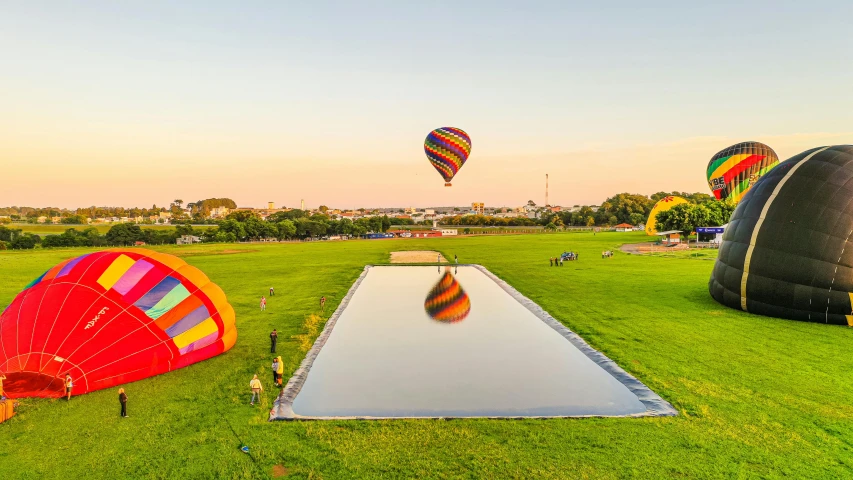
758, 397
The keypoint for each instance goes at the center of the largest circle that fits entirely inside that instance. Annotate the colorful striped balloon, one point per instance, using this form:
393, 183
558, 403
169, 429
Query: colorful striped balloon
447, 302
732, 171
108, 318
447, 148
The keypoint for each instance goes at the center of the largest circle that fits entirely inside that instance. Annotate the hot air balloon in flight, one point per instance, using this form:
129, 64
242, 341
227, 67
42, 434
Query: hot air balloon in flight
108, 318
447, 148
732, 171
447, 302
787, 251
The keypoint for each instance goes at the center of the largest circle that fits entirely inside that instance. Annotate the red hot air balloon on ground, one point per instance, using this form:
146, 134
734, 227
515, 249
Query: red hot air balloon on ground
447, 148
447, 302
109, 318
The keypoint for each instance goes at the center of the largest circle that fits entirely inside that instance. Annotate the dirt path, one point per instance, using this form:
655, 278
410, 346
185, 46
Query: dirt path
417, 256
648, 247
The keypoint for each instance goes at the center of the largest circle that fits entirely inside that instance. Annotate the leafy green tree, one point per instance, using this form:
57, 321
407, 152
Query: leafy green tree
124, 234
233, 227
286, 229
684, 217
184, 229
25, 242
9, 234
242, 215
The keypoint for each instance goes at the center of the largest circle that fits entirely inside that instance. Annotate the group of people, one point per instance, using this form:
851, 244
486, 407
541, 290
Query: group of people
69, 388
607, 254
565, 256
277, 363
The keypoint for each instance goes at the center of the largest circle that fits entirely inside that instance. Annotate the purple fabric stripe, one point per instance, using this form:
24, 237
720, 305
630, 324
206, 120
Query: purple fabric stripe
192, 319
157, 293
132, 276
67, 268
200, 343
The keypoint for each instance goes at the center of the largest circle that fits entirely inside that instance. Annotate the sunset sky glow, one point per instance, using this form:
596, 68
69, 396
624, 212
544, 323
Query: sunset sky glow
129, 104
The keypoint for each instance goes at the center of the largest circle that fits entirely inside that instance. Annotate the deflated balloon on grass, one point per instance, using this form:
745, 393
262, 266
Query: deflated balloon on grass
108, 318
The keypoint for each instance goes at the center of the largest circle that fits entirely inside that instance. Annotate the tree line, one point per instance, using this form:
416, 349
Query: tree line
300, 224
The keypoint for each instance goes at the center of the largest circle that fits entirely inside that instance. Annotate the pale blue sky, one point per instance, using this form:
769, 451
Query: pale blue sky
332, 99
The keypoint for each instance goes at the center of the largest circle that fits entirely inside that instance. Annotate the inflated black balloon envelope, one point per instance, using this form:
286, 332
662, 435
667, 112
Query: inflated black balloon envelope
787, 249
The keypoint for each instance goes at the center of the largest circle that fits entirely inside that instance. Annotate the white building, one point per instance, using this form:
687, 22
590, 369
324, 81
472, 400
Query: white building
187, 240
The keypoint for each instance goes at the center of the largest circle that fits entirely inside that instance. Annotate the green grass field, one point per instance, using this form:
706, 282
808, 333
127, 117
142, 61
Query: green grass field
758, 397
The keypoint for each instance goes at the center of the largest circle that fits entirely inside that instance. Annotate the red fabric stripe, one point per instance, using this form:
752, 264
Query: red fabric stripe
146, 283
741, 167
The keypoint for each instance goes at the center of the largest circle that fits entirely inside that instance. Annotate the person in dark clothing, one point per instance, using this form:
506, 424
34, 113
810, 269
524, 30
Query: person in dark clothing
273, 340
122, 398
551, 261
272, 292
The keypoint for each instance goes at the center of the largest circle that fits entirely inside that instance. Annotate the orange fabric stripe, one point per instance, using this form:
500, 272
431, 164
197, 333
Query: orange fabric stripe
53, 272
180, 311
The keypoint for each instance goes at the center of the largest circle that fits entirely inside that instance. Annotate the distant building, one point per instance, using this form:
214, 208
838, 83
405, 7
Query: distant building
270, 205
219, 212
41, 219
165, 215
624, 227
55, 219
187, 240
478, 208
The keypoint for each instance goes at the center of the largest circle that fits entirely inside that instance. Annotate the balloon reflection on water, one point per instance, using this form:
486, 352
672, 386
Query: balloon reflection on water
447, 302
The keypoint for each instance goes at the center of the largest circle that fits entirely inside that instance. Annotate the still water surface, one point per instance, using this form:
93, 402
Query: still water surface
486, 355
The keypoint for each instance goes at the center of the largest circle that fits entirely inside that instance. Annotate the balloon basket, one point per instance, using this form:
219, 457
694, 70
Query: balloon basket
447, 184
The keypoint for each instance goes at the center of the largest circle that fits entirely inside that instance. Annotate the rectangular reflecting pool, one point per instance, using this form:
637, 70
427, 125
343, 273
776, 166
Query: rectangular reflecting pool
454, 342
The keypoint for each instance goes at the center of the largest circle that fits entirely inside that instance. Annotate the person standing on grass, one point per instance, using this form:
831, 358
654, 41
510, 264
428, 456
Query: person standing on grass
272, 291
323, 304
456, 259
275, 370
122, 399
273, 340
263, 303
280, 370
257, 388
551, 261
69, 384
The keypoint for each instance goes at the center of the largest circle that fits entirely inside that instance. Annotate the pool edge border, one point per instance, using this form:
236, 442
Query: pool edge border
655, 405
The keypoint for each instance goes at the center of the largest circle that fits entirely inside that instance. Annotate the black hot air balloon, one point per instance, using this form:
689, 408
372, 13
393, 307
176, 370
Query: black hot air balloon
787, 250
